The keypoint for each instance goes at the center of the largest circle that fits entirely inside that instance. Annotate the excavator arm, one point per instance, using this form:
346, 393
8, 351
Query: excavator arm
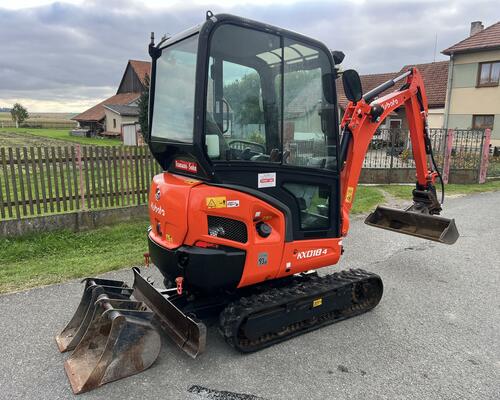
359, 124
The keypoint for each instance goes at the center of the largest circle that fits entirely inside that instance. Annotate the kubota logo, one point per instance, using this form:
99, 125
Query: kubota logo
311, 253
392, 103
157, 209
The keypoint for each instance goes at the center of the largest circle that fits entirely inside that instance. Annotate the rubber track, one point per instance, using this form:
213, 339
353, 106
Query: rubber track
301, 287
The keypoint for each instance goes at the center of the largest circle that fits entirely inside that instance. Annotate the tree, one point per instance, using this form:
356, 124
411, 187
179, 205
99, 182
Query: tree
143, 104
19, 114
243, 96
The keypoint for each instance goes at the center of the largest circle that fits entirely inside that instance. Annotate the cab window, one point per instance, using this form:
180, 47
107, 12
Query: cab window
268, 100
242, 120
173, 109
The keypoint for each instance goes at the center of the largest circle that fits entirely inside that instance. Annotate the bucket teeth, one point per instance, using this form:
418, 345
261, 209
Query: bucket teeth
112, 336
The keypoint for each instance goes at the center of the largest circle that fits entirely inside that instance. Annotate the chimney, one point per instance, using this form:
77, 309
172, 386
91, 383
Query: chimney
475, 27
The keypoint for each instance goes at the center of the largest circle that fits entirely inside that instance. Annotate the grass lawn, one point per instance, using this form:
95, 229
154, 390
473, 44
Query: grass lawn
366, 199
54, 257
404, 191
61, 134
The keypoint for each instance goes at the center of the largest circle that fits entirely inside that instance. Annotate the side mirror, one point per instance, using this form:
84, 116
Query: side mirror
352, 85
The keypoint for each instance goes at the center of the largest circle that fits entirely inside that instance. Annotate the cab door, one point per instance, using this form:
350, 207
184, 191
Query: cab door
271, 124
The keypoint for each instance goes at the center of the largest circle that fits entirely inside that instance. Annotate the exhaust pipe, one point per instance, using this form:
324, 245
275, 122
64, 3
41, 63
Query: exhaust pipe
425, 226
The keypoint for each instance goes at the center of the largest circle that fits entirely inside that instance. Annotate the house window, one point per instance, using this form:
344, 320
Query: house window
482, 121
489, 74
395, 123
114, 123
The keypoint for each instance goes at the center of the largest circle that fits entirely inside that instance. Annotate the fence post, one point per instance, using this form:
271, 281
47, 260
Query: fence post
447, 155
485, 153
392, 132
80, 173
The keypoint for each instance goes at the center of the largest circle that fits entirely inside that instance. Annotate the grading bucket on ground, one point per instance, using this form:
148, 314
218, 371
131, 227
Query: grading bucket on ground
425, 226
112, 336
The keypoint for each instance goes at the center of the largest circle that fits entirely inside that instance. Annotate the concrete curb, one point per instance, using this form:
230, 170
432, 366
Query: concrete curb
75, 221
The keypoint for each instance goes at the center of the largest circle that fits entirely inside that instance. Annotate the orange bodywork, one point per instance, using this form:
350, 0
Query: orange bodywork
179, 205
179, 213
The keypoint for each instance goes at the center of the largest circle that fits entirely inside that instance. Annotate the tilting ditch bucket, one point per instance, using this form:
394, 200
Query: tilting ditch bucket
74, 331
114, 339
425, 226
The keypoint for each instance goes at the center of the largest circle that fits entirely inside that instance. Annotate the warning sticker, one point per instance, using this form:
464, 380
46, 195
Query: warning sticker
233, 203
267, 179
216, 202
317, 302
348, 195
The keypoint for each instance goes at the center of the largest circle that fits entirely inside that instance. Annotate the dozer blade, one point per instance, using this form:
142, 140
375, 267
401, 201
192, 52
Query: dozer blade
120, 341
77, 326
190, 335
430, 227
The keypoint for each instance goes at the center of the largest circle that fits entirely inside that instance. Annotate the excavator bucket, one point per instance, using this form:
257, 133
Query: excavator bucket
189, 334
425, 226
112, 336
77, 326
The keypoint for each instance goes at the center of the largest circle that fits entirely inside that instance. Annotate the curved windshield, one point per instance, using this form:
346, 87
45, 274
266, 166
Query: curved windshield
173, 108
266, 100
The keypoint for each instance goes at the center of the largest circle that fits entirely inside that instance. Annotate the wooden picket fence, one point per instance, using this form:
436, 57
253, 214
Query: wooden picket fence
46, 180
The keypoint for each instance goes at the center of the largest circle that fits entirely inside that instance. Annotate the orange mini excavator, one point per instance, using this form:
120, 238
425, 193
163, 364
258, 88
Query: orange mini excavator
256, 191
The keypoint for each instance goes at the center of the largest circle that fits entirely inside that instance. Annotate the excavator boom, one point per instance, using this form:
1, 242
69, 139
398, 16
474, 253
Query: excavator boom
360, 122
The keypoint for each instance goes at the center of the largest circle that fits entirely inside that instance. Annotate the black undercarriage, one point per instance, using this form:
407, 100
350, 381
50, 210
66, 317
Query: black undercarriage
258, 316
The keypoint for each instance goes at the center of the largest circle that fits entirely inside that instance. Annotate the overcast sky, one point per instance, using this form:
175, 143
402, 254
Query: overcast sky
66, 56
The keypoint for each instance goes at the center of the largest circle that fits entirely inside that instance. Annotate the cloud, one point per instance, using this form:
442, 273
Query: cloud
66, 56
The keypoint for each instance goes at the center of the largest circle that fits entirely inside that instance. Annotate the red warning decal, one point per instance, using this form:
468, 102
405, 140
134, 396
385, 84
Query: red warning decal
188, 166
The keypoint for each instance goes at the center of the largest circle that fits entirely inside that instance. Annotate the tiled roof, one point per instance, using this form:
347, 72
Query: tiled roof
141, 68
96, 113
488, 38
123, 110
368, 82
435, 77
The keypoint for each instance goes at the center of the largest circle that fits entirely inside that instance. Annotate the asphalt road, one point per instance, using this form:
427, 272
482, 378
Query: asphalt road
435, 334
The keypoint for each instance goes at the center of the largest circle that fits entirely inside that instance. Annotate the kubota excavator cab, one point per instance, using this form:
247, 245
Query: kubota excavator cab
250, 106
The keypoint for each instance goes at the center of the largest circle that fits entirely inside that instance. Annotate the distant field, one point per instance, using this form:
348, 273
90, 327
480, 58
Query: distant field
40, 120
45, 117
18, 137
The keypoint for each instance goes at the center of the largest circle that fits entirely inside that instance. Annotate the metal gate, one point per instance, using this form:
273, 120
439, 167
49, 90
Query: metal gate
389, 157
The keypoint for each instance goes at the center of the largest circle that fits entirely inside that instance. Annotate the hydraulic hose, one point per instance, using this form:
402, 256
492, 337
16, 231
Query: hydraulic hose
428, 146
431, 153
